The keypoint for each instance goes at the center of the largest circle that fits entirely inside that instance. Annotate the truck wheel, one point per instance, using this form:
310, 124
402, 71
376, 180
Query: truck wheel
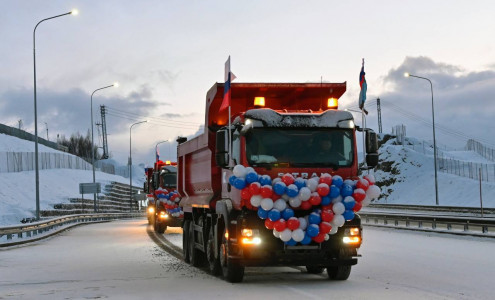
232, 272
195, 256
159, 228
314, 269
213, 263
185, 241
341, 272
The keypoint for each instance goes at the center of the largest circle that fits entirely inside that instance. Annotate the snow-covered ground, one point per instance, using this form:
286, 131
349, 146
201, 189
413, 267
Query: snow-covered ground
18, 190
118, 260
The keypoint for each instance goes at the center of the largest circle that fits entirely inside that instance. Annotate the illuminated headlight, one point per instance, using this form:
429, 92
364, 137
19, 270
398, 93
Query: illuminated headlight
151, 210
163, 215
250, 236
351, 240
352, 236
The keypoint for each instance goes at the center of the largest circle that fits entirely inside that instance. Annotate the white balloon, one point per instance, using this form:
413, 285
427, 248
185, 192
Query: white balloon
279, 205
366, 201
295, 202
276, 233
327, 237
240, 171
312, 184
373, 191
285, 197
337, 199
303, 223
267, 204
249, 170
338, 208
275, 180
304, 193
334, 230
256, 200
286, 235
338, 221
298, 235
370, 178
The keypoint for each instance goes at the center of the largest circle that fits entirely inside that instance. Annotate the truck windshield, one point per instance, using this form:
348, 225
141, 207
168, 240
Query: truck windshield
300, 148
169, 180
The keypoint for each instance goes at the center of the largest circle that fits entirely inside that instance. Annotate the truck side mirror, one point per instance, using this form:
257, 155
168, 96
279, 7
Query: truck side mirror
371, 148
222, 148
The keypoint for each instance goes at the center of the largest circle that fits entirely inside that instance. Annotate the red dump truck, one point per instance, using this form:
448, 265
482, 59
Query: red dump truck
231, 196
163, 199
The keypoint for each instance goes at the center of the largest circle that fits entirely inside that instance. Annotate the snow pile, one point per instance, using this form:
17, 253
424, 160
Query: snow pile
406, 176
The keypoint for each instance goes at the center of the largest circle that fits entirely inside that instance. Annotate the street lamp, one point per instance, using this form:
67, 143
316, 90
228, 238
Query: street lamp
92, 138
156, 148
434, 139
130, 163
73, 12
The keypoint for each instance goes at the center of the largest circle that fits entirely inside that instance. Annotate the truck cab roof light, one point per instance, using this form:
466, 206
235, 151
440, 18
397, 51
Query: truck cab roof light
259, 101
333, 103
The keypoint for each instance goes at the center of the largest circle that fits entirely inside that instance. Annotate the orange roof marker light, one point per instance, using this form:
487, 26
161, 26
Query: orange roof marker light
259, 101
333, 103
168, 162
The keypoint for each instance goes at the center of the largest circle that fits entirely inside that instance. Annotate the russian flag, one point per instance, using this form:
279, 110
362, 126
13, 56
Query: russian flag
364, 87
229, 77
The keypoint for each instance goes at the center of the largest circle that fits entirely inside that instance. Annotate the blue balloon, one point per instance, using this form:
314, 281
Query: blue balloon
239, 183
160, 196
287, 213
313, 230
349, 203
349, 215
265, 180
279, 188
325, 200
167, 196
346, 190
292, 191
263, 214
299, 182
291, 242
314, 218
337, 181
273, 214
306, 240
232, 179
251, 177
334, 191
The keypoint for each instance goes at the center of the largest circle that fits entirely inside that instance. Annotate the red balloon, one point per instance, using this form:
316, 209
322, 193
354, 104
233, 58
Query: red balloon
266, 191
293, 223
357, 207
315, 199
275, 197
249, 206
280, 225
370, 179
325, 227
254, 188
362, 184
323, 189
269, 224
327, 215
326, 179
288, 179
327, 207
359, 195
305, 205
320, 238
245, 194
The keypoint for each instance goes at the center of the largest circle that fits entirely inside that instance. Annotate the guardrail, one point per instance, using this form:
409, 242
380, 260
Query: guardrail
472, 226
429, 208
20, 234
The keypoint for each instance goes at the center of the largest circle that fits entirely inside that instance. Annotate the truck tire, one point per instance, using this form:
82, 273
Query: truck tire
159, 228
341, 272
196, 257
185, 241
314, 269
232, 272
213, 263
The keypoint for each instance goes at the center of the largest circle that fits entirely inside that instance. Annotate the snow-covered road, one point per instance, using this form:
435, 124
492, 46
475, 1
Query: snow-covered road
118, 260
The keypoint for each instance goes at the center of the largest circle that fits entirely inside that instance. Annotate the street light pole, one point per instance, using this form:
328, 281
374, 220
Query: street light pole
92, 140
434, 139
130, 163
37, 172
156, 148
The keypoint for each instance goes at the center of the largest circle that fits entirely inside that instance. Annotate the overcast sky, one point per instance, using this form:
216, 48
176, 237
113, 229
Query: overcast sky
167, 54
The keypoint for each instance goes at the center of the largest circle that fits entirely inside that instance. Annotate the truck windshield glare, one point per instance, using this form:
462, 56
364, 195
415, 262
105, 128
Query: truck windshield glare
300, 147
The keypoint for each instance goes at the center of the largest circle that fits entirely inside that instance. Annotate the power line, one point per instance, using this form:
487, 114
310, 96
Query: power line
149, 117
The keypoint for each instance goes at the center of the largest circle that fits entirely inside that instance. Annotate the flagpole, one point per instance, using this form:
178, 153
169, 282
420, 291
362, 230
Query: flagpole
230, 141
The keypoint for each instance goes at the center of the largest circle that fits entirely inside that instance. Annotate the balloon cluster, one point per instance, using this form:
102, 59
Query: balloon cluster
329, 201
170, 200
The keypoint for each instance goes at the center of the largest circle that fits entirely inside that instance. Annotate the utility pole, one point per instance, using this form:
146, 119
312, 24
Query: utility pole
20, 124
46, 131
104, 132
379, 110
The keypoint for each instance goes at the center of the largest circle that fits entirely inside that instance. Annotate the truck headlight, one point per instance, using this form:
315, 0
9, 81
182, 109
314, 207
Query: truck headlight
250, 236
352, 236
163, 215
151, 210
